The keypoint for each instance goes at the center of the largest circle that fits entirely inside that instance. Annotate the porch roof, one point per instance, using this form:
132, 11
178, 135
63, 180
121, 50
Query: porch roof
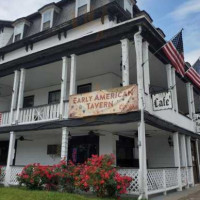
89, 43
101, 120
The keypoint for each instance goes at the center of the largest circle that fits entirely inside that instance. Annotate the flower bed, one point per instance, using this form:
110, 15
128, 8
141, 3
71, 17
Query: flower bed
97, 174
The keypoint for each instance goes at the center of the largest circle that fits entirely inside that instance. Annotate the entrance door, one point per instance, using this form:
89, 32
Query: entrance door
3, 152
195, 162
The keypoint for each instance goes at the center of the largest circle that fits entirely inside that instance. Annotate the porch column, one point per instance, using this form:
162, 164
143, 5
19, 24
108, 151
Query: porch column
21, 93
142, 179
11, 152
64, 146
107, 144
189, 154
177, 158
72, 89
63, 94
190, 97
184, 156
174, 89
125, 62
14, 95
145, 52
198, 161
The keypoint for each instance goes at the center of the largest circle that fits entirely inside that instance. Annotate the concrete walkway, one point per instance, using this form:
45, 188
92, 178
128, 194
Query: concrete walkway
186, 194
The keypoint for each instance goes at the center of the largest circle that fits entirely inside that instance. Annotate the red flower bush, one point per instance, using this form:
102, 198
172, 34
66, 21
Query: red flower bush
97, 174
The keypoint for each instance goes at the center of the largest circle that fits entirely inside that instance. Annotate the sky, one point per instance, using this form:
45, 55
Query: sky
169, 15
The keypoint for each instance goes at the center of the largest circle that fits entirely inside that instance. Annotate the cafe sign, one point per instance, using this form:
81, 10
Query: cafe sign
162, 101
113, 101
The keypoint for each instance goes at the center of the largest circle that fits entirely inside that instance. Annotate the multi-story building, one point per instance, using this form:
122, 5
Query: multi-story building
55, 61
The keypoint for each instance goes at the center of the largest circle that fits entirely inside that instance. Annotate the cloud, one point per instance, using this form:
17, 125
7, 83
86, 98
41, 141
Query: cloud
14, 9
186, 9
192, 56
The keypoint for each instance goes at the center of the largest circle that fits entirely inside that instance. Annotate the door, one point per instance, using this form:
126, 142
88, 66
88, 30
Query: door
195, 162
3, 152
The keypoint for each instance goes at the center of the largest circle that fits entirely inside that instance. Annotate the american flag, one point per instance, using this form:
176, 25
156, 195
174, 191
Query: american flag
175, 53
193, 75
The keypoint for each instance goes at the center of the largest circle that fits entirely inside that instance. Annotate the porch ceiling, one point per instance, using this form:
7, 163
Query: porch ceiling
128, 130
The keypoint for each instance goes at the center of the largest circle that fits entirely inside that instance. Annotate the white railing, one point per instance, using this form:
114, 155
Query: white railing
13, 174
133, 173
162, 180
2, 174
39, 114
5, 119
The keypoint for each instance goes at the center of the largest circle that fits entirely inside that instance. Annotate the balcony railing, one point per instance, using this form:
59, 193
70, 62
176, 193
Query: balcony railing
35, 114
39, 114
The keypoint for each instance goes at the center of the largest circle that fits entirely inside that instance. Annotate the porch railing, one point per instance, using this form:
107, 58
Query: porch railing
5, 119
39, 114
2, 174
35, 114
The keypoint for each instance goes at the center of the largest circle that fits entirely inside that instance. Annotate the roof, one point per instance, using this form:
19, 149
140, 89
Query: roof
4, 23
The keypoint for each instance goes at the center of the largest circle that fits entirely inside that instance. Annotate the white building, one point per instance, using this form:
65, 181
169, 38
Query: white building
78, 46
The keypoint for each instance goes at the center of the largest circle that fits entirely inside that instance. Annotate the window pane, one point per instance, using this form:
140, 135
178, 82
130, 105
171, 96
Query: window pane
82, 10
54, 97
17, 37
28, 102
46, 25
84, 88
47, 16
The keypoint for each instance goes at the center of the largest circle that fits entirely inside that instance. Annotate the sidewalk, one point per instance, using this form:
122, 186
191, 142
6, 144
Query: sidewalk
186, 194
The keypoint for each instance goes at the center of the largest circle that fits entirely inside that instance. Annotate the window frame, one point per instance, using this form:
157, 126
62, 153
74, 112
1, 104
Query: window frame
31, 96
83, 85
51, 92
18, 29
51, 15
81, 3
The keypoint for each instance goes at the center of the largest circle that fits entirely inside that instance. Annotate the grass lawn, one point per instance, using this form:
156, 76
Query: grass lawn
23, 194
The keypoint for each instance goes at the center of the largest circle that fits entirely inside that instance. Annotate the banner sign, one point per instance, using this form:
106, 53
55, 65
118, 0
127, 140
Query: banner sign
162, 101
113, 101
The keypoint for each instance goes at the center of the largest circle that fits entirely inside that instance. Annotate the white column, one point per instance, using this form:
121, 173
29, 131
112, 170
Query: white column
125, 62
177, 160
169, 76
184, 155
189, 154
14, 95
72, 89
11, 153
139, 62
21, 93
190, 97
174, 89
142, 159
145, 50
63, 95
64, 146
198, 161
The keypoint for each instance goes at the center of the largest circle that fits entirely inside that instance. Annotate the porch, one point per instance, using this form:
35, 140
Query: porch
164, 173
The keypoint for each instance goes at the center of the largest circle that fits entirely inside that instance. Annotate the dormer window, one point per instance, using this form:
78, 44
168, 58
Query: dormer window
48, 13
47, 20
128, 6
82, 7
20, 26
18, 32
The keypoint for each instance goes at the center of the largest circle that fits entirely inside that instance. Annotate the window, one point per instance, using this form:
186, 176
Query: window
28, 102
128, 6
82, 7
54, 97
82, 10
84, 88
17, 37
18, 31
46, 23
